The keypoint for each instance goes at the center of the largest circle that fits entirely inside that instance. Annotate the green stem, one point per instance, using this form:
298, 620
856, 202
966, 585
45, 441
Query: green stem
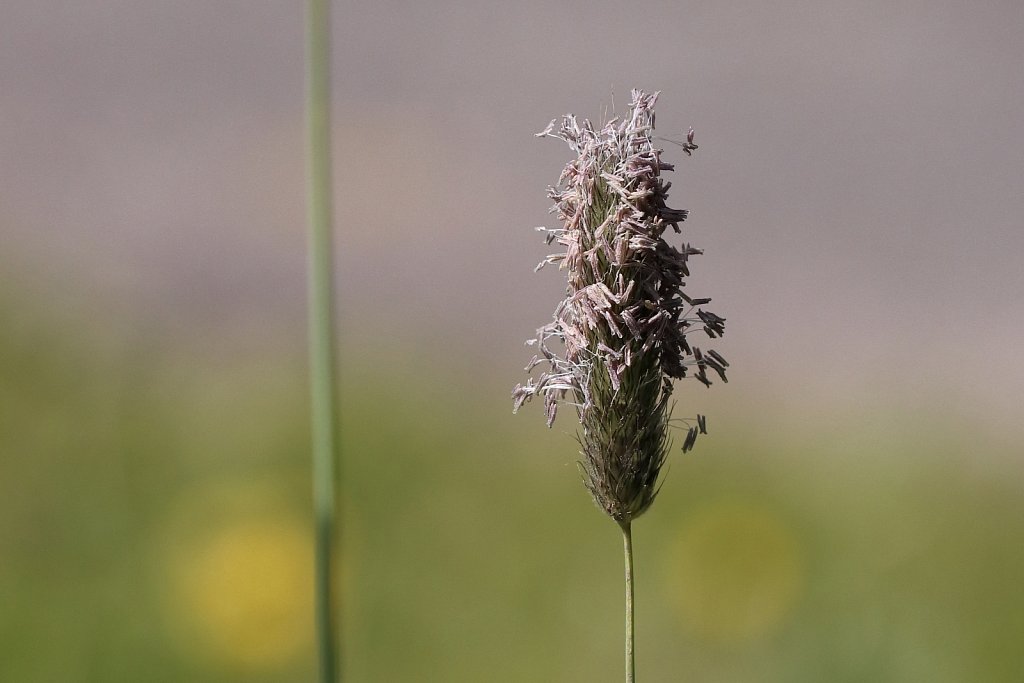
627, 550
321, 326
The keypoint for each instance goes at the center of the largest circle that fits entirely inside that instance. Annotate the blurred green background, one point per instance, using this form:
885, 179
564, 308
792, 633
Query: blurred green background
155, 526
855, 514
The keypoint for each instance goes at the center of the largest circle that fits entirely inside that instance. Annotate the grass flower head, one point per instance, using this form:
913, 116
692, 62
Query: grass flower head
619, 337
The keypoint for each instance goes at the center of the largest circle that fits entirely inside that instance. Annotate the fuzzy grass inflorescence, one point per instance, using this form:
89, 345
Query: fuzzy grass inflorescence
619, 337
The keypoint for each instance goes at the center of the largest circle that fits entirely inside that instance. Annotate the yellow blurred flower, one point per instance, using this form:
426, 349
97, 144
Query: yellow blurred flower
240, 588
736, 571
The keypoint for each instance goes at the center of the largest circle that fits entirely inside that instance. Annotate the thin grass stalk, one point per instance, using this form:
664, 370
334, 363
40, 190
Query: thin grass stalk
627, 550
321, 329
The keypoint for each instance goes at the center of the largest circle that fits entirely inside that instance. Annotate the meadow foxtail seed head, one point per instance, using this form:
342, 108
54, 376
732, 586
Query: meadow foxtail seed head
618, 338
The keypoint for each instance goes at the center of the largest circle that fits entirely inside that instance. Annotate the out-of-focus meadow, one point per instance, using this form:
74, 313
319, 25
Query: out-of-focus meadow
855, 514
155, 526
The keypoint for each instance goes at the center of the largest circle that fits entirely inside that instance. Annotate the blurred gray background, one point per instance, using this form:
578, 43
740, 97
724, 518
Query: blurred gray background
856, 190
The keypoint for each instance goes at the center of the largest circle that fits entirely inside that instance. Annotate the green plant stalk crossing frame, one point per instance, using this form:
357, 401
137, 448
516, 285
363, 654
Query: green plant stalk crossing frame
323, 371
